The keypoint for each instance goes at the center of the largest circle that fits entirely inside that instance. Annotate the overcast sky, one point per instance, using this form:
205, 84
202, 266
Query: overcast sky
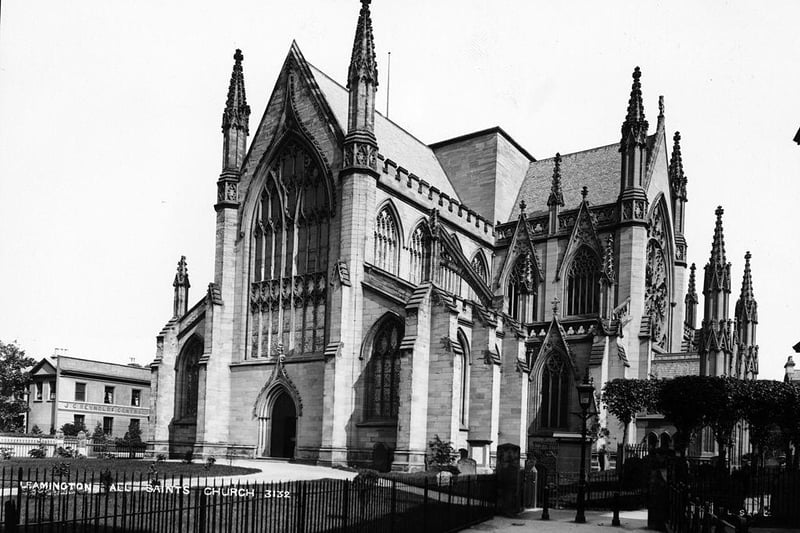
110, 142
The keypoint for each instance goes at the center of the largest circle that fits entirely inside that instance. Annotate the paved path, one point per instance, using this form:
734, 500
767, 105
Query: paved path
563, 520
282, 471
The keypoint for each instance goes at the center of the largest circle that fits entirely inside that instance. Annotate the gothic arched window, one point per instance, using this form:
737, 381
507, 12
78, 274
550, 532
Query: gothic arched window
290, 256
522, 290
556, 387
480, 267
386, 241
420, 253
187, 379
462, 373
583, 283
656, 296
449, 278
383, 373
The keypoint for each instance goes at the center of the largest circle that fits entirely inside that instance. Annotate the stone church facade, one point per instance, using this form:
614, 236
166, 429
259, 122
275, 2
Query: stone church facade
371, 291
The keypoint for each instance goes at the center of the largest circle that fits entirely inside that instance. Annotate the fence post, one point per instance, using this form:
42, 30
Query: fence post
546, 502
11, 517
201, 526
346, 504
394, 506
615, 520
301, 504
425, 506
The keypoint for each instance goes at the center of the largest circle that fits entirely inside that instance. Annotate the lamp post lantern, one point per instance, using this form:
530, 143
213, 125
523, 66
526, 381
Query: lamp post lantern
585, 398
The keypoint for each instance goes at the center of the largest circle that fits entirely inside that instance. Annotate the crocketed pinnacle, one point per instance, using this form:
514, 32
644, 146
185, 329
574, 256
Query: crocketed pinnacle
237, 112
363, 64
747, 299
182, 275
556, 195
608, 258
718, 244
691, 293
676, 176
635, 124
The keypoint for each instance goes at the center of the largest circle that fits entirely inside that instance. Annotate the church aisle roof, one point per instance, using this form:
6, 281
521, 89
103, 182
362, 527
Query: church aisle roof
394, 142
598, 169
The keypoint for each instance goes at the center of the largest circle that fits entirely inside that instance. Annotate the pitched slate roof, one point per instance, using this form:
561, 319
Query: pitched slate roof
394, 142
597, 168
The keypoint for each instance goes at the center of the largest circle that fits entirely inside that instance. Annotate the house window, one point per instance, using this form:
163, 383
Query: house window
383, 373
80, 392
108, 397
522, 290
555, 394
420, 253
108, 425
39, 391
52, 387
79, 421
136, 398
386, 241
583, 283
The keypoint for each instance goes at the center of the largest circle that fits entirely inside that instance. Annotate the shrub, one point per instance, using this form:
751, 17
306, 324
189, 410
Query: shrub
209, 463
6, 453
67, 452
38, 452
61, 469
442, 453
106, 479
72, 430
161, 457
188, 457
36, 430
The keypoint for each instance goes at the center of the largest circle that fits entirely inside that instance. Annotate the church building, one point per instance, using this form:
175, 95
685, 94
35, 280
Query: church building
372, 291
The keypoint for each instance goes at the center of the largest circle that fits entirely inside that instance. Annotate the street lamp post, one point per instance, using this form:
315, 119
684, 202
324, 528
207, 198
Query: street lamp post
585, 396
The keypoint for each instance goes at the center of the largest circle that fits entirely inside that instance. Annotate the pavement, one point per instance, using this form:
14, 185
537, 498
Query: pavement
563, 520
277, 470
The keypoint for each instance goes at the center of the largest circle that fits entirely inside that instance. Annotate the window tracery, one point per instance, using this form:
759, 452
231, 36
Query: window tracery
583, 283
522, 290
383, 373
420, 254
386, 241
290, 256
657, 278
556, 386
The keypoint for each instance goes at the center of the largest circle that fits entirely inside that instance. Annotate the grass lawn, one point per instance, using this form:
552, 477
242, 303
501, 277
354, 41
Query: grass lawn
43, 468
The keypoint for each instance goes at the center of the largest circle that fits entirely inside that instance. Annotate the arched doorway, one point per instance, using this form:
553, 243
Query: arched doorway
283, 427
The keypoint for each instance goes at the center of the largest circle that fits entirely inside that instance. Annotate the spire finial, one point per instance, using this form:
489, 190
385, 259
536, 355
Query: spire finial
182, 275
635, 124
692, 282
237, 112
584, 192
363, 64
718, 244
556, 195
661, 107
747, 280
555, 303
522, 206
676, 175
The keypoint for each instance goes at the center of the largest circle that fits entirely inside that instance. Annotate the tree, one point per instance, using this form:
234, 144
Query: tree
762, 405
680, 400
72, 430
625, 397
132, 439
14, 382
722, 408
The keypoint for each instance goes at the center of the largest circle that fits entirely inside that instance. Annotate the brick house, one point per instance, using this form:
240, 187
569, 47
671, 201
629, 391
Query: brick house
372, 291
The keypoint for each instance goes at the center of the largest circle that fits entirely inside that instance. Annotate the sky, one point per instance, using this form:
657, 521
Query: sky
110, 142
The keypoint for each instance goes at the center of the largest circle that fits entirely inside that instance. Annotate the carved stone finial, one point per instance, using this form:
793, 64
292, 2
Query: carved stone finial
555, 303
634, 129
676, 175
237, 112
718, 245
584, 192
556, 195
182, 275
522, 205
661, 107
281, 355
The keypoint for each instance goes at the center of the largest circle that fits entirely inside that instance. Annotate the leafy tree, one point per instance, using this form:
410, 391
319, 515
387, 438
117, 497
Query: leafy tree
761, 401
625, 397
788, 419
98, 435
14, 381
722, 408
680, 400
132, 439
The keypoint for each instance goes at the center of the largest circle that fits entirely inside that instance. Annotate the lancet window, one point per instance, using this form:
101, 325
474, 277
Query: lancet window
290, 256
386, 241
383, 373
420, 254
523, 290
187, 379
656, 296
462, 373
583, 283
556, 386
